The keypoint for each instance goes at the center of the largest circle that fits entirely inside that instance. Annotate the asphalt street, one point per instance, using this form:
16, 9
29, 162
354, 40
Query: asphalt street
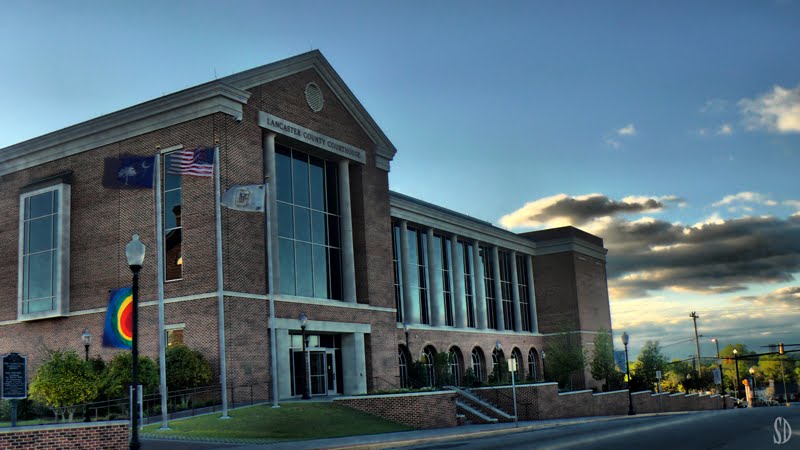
748, 429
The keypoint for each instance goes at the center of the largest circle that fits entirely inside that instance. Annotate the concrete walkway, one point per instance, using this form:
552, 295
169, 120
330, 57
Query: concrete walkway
387, 440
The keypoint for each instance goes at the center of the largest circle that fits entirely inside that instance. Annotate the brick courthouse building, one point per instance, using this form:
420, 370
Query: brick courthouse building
356, 258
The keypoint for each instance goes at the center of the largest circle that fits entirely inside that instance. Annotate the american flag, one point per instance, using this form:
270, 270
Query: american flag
198, 162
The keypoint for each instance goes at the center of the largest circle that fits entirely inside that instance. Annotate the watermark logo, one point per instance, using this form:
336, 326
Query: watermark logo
783, 432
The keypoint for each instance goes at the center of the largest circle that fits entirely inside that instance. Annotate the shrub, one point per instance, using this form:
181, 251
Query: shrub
63, 381
186, 368
117, 375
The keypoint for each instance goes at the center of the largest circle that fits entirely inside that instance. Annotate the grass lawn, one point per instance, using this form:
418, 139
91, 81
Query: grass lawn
291, 421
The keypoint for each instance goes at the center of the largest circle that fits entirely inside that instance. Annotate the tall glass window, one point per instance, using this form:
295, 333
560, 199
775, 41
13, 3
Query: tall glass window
443, 255
418, 263
476, 358
42, 242
488, 282
308, 225
173, 228
428, 360
398, 275
522, 285
455, 366
404, 381
533, 372
466, 256
506, 289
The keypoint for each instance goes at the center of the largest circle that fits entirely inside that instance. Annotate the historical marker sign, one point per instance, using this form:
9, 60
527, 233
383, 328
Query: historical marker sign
15, 381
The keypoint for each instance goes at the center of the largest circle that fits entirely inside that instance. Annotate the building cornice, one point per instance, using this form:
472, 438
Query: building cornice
172, 109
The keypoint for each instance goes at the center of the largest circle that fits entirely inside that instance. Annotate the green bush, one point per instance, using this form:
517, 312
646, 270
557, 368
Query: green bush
186, 368
117, 376
63, 381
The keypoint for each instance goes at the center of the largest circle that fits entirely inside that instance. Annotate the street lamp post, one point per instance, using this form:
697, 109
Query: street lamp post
625, 338
87, 341
753, 382
721, 377
134, 252
544, 374
781, 351
303, 320
736, 364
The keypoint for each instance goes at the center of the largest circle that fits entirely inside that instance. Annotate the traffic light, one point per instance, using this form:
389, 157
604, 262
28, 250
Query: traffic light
780, 349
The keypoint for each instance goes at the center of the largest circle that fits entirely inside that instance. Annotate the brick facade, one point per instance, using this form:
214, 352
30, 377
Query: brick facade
95, 436
423, 410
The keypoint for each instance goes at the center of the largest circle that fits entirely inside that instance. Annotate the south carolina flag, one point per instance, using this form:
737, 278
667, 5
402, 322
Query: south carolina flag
118, 330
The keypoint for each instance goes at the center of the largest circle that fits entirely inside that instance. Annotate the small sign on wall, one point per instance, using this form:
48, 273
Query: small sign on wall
15, 380
512, 365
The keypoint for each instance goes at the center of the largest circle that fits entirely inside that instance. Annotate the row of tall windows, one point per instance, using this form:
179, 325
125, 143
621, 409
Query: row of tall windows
465, 255
506, 288
488, 284
308, 225
522, 286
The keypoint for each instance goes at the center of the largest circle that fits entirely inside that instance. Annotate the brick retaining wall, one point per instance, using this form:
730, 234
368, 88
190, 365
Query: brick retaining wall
90, 436
418, 410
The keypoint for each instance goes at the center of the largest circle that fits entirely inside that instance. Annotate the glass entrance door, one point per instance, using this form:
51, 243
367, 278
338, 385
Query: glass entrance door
330, 354
319, 383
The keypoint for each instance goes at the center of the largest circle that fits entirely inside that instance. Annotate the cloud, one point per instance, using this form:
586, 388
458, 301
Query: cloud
628, 130
788, 296
562, 209
793, 204
648, 255
614, 143
775, 111
725, 129
715, 105
745, 197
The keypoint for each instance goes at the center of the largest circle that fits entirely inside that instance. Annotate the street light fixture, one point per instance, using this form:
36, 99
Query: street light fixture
134, 252
721, 377
405, 330
544, 373
306, 379
736, 363
87, 341
625, 339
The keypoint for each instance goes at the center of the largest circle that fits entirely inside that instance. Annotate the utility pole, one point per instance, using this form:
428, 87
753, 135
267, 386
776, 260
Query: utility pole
694, 317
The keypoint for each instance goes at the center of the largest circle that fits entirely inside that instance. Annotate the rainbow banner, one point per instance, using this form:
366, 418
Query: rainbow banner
118, 331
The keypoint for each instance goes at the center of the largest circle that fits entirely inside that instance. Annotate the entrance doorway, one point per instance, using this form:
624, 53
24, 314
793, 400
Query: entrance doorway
323, 362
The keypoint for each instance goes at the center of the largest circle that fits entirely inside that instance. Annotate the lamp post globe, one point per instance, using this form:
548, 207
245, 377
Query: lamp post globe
625, 339
736, 365
303, 318
134, 252
87, 341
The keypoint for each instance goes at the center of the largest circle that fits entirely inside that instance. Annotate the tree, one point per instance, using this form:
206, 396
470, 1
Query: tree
728, 366
118, 375
650, 359
565, 357
186, 368
63, 381
602, 364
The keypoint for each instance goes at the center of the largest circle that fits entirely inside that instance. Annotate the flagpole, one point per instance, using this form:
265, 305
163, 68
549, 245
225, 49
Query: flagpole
162, 344
273, 344
223, 366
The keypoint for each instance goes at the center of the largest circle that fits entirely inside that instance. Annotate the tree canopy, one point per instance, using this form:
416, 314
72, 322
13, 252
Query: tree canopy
651, 358
63, 381
565, 357
602, 363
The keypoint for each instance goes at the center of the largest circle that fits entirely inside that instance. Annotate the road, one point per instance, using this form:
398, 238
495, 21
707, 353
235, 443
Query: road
748, 429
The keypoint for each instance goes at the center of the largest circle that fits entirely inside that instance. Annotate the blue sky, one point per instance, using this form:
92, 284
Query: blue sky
495, 106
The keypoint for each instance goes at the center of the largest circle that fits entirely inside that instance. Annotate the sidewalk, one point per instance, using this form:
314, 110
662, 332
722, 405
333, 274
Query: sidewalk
390, 440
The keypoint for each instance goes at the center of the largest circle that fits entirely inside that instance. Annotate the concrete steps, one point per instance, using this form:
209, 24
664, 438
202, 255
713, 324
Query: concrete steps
487, 413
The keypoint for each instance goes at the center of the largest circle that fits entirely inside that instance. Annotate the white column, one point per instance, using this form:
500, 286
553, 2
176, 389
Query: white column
480, 290
498, 293
345, 211
515, 293
354, 362
532, 295
435, 293
284, 370
459, 298
410, 307
269, 162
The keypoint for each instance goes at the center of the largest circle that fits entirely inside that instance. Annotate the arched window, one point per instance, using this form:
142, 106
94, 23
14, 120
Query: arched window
428, 358
533, 371
455, 366
477, 363
405, 382
517, 355
497, 370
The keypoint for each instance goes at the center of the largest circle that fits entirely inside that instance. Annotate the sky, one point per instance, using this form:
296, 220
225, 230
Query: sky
670, 129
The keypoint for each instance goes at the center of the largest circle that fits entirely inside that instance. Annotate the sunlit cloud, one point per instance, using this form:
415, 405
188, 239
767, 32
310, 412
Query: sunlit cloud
746, 197
725, 129
627, 130
774, 111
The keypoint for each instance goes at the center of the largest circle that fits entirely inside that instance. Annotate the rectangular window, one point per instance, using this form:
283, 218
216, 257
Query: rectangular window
43, 283
488, 282
466, 255
506, 289
444, 256
173, 228
308, 225
421, 260
522, 285
398, 275
174, 336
